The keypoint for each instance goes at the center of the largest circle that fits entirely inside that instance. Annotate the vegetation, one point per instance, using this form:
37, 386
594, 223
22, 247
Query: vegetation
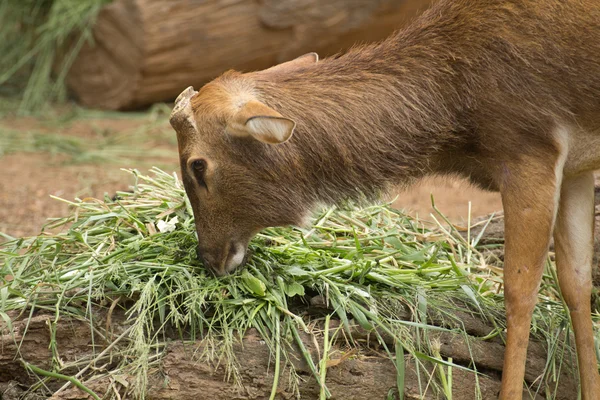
39, 40
369, 264
74, 136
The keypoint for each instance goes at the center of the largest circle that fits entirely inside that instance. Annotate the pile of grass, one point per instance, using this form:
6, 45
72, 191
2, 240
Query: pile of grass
368, 264
39, 40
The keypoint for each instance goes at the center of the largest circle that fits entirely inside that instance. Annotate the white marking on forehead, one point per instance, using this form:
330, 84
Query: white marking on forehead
239, 99
240, 91
191, 120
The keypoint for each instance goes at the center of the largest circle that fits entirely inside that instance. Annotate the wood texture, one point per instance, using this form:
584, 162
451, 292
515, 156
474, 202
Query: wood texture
367, 374
150, 50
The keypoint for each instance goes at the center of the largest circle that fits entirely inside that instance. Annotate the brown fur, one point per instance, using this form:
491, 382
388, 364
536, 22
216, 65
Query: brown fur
479, 89
434, 98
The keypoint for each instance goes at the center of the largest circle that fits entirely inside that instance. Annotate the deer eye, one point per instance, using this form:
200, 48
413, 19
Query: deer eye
198, 168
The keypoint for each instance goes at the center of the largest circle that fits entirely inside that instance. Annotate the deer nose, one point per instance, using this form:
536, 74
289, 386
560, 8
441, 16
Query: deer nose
222, 261
207, 258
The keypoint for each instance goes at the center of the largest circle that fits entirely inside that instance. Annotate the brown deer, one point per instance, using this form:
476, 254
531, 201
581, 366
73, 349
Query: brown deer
503, 92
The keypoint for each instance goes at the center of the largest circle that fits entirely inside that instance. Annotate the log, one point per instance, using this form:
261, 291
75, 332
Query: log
494, 235
367, 373
148, 51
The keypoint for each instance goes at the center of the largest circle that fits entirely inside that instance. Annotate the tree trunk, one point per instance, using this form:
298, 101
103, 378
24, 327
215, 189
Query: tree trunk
150, 50
359, 373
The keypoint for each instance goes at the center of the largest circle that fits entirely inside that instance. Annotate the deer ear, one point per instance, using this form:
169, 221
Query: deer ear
302, 61
261, 122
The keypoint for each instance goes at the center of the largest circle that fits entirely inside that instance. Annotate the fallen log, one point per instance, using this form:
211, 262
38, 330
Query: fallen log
150, 50
493, 234
355, 373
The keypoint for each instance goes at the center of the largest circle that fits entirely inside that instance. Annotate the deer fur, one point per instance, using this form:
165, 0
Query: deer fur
505, 93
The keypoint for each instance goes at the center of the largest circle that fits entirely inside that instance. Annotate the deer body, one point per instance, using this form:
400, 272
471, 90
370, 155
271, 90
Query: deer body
504, 93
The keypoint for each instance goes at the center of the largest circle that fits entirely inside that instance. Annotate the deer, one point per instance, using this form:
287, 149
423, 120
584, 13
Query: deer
504, 93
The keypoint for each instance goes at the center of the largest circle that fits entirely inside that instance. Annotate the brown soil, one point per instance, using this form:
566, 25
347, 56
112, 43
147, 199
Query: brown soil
28, 179
451, 196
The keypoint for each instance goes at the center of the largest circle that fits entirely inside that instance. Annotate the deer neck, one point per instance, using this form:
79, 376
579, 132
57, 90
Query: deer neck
363, 125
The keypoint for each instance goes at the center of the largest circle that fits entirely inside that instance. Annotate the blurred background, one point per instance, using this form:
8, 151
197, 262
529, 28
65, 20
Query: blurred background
86, 88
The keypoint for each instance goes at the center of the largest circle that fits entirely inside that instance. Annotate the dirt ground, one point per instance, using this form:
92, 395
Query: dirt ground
38, 160
30, 176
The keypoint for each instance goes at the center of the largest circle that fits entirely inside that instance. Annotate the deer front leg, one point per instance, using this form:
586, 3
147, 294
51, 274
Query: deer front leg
529, 195
573, 242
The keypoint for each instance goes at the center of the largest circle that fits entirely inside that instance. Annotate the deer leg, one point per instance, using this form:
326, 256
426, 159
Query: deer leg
530, 193
573, 240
